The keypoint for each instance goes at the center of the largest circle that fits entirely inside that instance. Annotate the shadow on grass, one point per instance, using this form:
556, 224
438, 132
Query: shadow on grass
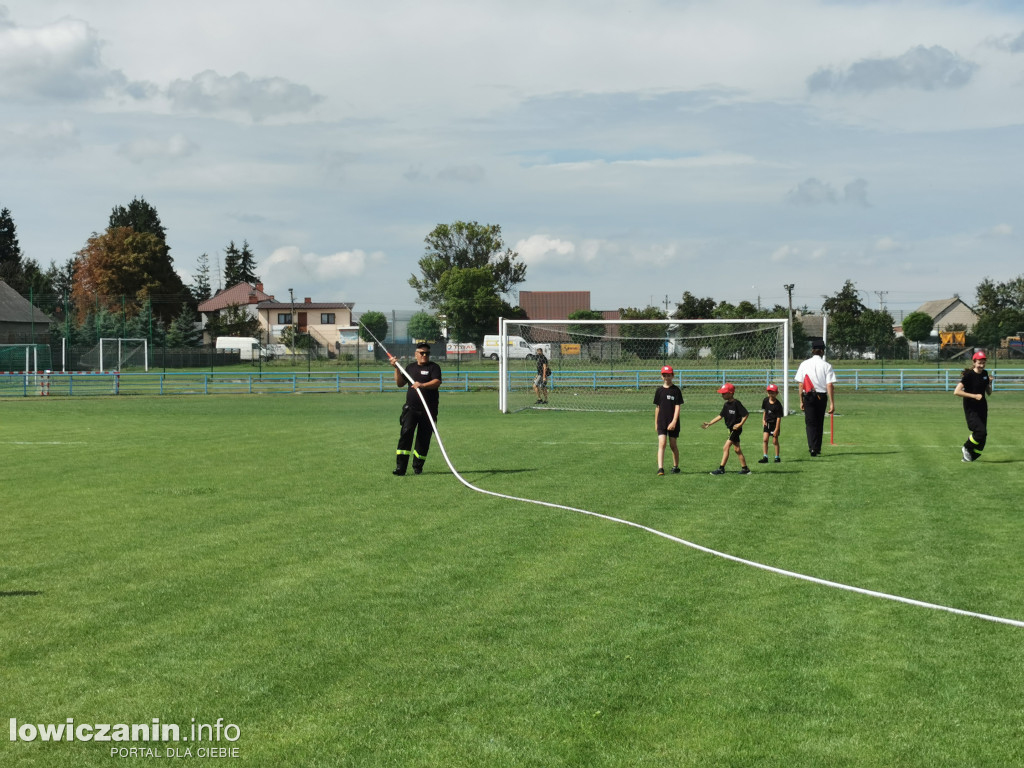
21, 593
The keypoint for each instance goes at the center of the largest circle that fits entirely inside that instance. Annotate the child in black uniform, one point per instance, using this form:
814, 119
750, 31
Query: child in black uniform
771, 420
735, 415
667, 399
974, 385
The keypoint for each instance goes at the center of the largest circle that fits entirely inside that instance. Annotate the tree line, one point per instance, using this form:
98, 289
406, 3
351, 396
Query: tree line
122, 282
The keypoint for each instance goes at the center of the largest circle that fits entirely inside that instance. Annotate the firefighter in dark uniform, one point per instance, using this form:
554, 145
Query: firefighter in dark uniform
426, 378
973, 387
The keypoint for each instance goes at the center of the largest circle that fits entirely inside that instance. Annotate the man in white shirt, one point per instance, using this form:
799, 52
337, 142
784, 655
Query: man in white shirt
817, 383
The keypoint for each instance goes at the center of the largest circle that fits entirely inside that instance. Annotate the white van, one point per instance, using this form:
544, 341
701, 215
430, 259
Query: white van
518, 348
246, 346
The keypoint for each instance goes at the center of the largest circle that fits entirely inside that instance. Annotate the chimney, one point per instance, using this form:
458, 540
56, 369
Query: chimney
259, 287
309, 300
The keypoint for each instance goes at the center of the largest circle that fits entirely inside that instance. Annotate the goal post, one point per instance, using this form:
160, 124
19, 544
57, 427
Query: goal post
117, 354
615, 365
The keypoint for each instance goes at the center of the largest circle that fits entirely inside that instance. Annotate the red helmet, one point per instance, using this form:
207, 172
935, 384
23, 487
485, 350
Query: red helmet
667, 369
771, 388
727, 388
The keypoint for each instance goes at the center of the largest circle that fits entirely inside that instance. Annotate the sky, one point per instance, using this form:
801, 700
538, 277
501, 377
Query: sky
635, 149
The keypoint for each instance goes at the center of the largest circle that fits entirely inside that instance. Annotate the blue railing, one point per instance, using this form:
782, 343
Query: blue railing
214, 383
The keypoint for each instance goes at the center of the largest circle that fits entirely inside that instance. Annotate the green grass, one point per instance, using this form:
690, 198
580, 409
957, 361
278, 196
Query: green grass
253, 559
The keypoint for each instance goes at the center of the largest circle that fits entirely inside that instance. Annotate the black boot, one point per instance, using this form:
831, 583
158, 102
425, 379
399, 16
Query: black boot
401, 464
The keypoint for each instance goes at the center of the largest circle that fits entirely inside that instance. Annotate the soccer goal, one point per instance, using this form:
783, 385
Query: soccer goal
614, 365
25, 357
117, 355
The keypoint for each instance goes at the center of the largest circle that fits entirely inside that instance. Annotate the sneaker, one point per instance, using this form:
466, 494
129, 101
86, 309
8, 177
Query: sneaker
675, 470
966, 453
660, 471
763, 460
745, 471
778, 460
538, 402
718, 471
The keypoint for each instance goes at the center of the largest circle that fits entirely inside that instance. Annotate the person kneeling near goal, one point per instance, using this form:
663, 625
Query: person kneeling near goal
735, 416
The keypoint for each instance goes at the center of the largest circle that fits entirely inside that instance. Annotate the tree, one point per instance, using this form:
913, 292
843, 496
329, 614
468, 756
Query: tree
636, 339
463, 245
182, 331
246, 265
844, 311
917, 326
424, 327
469, 303
122, 270
10, 251
139, 216
876, 331
692, 308
233, 320
373, 326
1000, 310
585, 335
232, 265
201, 289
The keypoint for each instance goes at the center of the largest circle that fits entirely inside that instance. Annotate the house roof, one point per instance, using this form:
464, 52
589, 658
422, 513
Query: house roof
553, 305
238, 294
15, 308
944, 312
302, 306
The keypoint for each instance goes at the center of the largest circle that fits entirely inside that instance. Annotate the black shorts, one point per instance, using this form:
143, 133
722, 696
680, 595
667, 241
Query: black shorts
666, 431
769, 428
734, 435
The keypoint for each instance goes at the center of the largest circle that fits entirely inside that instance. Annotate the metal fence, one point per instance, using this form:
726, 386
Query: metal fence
241, 383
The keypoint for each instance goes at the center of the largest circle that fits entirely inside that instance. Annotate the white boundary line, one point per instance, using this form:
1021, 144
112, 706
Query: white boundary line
706, 550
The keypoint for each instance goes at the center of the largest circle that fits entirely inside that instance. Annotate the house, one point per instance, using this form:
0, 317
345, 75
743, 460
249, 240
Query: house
553, 305
946, 312
329, 323
242, 295
20, 321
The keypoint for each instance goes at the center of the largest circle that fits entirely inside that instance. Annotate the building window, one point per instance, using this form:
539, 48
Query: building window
327, 318
284, 318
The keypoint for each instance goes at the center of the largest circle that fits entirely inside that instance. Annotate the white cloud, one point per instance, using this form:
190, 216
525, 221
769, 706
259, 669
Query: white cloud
538, 249
1001, 230
59, 61
289, 261
210, 92
39, 140
812, 192
174, 147
890, 245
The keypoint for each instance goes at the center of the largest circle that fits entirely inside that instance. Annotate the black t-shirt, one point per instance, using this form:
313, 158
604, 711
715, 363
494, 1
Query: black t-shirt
667, 398
542, 363
733, 412
975, 384
772, 411
423, 374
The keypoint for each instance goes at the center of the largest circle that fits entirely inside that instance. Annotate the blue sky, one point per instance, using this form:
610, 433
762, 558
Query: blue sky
636, 150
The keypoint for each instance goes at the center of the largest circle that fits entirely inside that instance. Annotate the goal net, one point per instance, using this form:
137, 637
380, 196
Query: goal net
117, 355
25, 357
615, 365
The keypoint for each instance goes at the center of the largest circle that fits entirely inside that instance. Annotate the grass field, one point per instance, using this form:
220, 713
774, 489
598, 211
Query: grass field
253, 559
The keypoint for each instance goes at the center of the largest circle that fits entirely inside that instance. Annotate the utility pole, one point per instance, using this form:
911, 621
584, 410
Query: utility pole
291, 293
881, 298
789, 290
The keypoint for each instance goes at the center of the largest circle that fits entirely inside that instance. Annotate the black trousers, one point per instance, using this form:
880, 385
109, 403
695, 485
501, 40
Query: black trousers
977, 422
815, 406
414, 437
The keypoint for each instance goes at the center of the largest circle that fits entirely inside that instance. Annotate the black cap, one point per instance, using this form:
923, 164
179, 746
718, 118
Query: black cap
818, 343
